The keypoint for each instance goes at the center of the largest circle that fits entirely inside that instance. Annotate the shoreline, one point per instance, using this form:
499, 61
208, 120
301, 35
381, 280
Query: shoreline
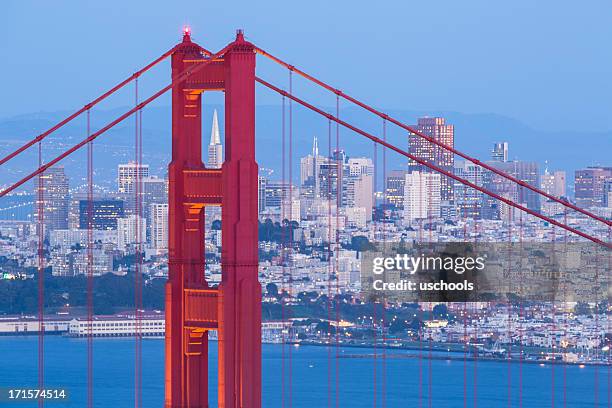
451, 351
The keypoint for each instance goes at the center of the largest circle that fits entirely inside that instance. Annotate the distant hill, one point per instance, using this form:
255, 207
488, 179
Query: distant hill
474, 134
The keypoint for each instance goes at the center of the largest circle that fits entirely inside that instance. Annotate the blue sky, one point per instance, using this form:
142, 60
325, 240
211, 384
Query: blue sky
547, 63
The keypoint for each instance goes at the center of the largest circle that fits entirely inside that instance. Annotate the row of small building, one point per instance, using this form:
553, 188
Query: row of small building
122, 325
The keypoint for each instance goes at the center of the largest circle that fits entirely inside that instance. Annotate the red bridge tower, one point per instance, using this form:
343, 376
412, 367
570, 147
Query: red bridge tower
192, 306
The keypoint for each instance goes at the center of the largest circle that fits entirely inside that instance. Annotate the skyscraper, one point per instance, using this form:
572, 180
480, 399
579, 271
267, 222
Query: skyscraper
553, 183
215, 148
154, 190
55, 198
607, 196
524, 171
128, 231
395, 188
468, 200
275, 192
158, 214
421, 196
500, 152
437, 129
309, 172
358, 185
360, 165
104, 213
261, 193
589, 185
359, 193
127, 175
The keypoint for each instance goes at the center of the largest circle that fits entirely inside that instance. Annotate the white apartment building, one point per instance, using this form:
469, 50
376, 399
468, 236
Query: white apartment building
421, 196
128, 231
159, 226
127, 175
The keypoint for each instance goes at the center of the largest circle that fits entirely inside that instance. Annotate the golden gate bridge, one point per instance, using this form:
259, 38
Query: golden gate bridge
233, 308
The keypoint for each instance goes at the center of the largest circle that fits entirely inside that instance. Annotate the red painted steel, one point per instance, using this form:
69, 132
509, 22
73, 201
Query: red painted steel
192, 307
234, 308
175, 80
431, 166
430, 139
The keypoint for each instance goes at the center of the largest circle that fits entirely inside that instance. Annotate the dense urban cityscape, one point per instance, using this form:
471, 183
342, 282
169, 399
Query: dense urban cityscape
312, 233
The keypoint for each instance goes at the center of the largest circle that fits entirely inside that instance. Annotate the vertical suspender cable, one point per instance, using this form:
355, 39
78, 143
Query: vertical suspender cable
283, 250
383, 393
554, 345
597, 334
509, 309
565, 313
521, 309
329, 262
476, 320
430, 221
337, 245
608, 319
290, 202
41, 277
464, 216
136, 184
90, 256
374, 313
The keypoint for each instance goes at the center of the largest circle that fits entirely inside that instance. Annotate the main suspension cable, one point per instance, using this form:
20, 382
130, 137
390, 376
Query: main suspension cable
111, 124
430, 165
87, 107
431, 139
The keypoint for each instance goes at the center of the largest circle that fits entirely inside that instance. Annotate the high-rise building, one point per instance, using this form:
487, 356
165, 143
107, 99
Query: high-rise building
261, 193
358, 184
105, 213
131, 230
607, 196
500, 152
394, 188
291, 208
128, 174
276, 191
553, 183
360, 165
437, 129
215, 148
159, 226
154, 191
524, 171
54, 193
309, 172
468, 201
329, 179
359, 193
421, 196
589, 186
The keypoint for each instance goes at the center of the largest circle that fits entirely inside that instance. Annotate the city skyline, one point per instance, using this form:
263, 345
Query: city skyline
356, 229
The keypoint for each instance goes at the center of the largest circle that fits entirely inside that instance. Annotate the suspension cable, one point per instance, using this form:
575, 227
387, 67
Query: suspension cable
137, 180
90, 262
430, 165
41, 277
93, 136
410, 129
87, 107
